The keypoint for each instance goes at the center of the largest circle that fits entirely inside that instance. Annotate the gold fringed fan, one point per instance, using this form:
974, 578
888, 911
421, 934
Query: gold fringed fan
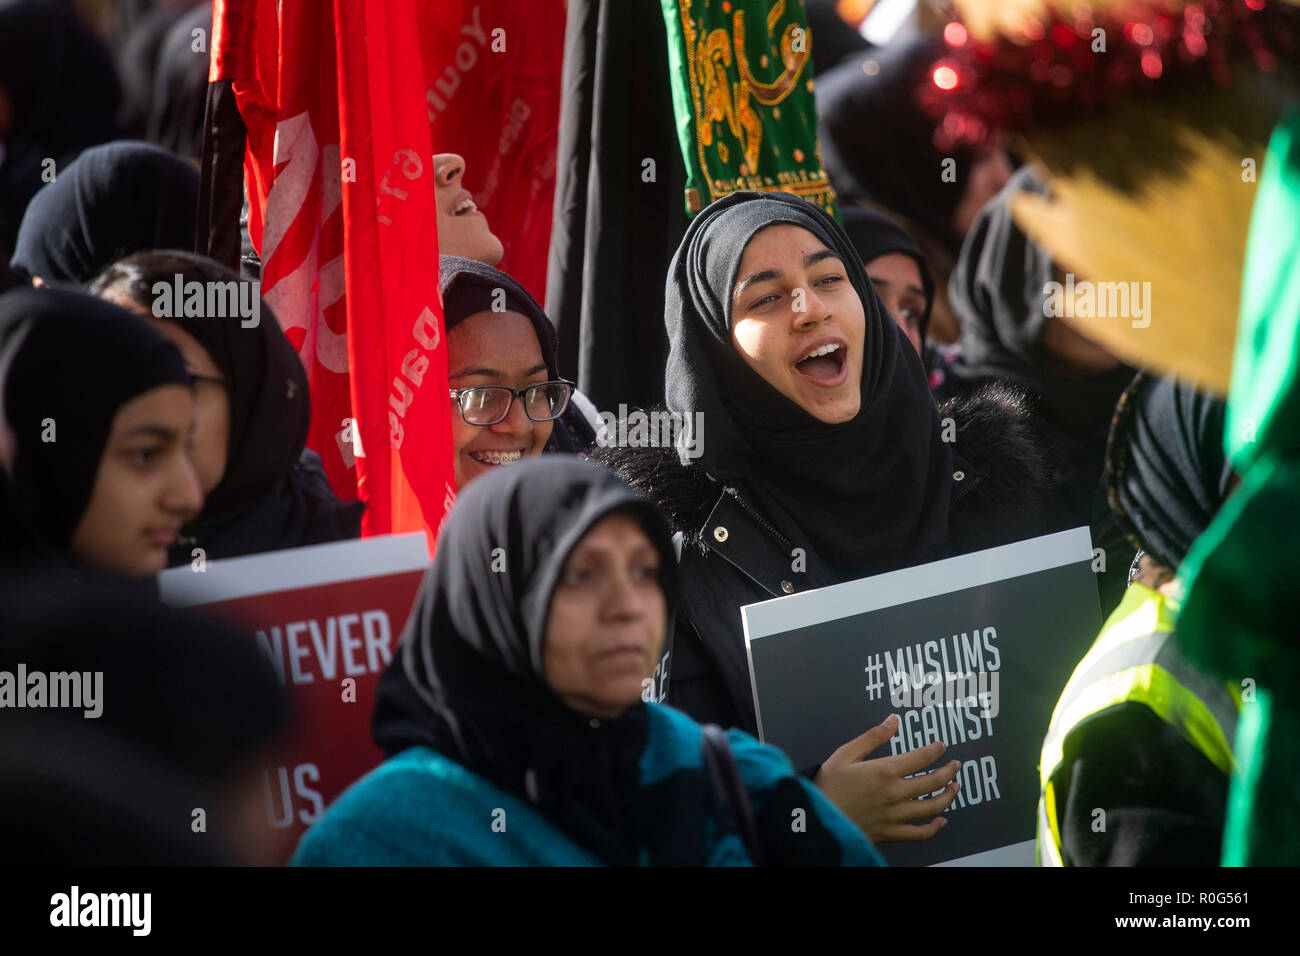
1154, 190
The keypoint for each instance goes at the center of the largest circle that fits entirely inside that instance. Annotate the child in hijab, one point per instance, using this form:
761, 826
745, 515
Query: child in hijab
1139, 729
823, 460
499, 339
264, 491
514, 706
101, 408
114, 200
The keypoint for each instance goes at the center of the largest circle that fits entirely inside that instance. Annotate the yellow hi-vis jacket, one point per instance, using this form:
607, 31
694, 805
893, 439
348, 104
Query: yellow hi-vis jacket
1135, 659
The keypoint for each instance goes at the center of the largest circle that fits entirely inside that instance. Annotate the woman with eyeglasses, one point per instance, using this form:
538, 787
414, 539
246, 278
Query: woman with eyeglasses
510, 401
262, 490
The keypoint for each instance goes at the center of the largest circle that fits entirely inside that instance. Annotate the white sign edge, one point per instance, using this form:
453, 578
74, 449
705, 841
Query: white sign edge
293, 568
779, 615
753, 684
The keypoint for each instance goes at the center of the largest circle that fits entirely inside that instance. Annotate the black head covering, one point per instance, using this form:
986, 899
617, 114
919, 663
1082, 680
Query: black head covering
470, 286
877, 143
468, 680
869, 494
58, 76
874, 235
269, 404
1166, 471
114, 200
833, 38
185, 703
60, 81
79, 360
137, 64
997, 291
181, 86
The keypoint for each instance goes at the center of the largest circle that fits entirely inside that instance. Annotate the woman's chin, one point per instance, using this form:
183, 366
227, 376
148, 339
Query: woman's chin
833, 410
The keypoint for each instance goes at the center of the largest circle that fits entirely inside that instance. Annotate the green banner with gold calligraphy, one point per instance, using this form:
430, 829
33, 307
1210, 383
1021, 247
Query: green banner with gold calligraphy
742, 80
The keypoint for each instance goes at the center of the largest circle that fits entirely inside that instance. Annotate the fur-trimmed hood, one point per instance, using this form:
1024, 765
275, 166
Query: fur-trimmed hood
1002, 458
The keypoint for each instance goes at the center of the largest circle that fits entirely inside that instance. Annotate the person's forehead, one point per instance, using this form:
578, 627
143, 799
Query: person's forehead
896, 265
488, 326
504, 342
168, 407
619, 529
784, 238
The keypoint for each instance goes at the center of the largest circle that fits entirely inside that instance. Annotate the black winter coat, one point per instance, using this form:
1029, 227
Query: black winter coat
300, 510
731, 555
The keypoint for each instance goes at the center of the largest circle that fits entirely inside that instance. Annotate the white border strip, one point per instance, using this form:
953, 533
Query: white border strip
294, 568
1014, 854
783, 614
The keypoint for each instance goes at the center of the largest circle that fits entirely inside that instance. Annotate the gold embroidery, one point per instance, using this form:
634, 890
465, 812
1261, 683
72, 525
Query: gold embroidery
770, 94
717, 99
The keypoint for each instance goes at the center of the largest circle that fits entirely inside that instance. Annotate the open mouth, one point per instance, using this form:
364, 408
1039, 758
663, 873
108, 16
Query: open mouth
465, 207
497, 457
825, 365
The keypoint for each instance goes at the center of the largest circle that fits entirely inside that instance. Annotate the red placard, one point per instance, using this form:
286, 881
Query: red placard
328, 618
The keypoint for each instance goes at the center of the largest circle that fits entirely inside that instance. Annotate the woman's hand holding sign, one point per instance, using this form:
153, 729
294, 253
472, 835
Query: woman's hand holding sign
880, 796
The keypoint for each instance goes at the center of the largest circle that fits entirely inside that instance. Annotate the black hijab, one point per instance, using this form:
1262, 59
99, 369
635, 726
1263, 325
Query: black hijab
77, 361
181, 86
113, 200
877, 143
468, 680
997, 291
875, 235
1166, 471
269, 404
470, 286
137, 65
187, 703
868, 495
60, 81
58, 75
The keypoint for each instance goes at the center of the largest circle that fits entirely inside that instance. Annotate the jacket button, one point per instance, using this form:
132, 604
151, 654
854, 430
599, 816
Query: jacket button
787, 587
958, 475
720, 533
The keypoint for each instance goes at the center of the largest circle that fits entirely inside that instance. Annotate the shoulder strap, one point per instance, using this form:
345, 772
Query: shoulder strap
723, 773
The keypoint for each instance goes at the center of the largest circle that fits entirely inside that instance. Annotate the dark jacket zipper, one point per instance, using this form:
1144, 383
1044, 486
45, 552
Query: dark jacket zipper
758, 519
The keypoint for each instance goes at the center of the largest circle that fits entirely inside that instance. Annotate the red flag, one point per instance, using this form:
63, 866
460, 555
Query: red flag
492, 72
341, 191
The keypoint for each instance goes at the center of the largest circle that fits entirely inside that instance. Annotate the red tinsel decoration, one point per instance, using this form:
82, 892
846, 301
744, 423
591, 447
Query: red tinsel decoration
1059, 75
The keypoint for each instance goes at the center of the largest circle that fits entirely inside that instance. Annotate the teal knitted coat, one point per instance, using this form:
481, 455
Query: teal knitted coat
420, 808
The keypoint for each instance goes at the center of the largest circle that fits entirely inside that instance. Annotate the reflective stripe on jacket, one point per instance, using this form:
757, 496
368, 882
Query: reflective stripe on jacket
1135, 660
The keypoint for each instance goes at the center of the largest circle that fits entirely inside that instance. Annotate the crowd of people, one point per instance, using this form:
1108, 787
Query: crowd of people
878, 391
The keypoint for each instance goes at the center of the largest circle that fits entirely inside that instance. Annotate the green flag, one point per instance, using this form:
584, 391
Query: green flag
743, 97
1237, 618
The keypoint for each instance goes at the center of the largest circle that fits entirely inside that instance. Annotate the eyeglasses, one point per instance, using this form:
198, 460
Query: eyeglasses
490, 404
207, 378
